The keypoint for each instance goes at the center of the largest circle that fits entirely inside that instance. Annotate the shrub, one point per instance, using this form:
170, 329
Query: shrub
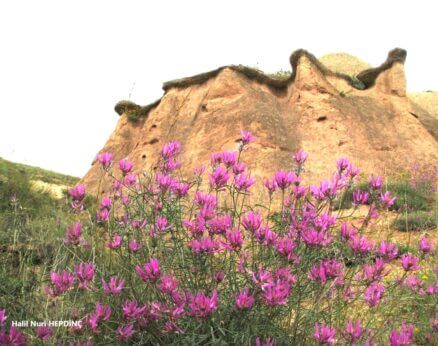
409, 197
166, 260
416, 221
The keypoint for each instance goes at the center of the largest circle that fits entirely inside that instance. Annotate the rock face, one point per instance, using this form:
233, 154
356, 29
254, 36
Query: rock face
329, 114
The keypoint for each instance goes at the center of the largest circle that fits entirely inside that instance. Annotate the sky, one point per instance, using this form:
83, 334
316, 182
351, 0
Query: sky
65, 64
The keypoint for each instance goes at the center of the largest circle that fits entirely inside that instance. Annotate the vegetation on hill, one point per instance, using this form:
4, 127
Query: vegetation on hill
165, 260
32, 221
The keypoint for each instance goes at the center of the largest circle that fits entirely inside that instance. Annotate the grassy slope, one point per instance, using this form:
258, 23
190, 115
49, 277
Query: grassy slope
10, 170
31, 223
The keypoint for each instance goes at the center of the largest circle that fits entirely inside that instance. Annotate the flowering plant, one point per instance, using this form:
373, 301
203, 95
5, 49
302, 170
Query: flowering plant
165, 260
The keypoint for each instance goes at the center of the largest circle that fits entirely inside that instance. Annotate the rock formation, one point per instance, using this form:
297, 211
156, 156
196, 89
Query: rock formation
366, 117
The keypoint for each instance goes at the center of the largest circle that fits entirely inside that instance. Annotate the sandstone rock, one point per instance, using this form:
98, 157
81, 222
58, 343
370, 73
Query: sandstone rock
327, 113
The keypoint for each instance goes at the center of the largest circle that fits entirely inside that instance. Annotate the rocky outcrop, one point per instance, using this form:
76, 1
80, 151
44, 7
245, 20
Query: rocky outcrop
328, 113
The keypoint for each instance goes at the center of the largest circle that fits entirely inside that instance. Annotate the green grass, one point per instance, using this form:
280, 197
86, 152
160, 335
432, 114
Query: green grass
281, 74
32, 222
417, 221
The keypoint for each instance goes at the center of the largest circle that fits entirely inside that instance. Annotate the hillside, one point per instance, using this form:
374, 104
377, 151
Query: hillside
329, 113
39, 179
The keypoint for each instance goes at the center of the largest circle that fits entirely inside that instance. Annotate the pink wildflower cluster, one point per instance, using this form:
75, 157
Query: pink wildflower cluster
197, 260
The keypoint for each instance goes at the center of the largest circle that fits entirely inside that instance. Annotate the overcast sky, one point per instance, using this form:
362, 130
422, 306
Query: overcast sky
64, 64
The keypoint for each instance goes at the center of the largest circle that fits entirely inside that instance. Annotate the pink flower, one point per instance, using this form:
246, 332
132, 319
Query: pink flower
219, 177
247, 137
413, 282
283, 274
324, 334
171, 165
352, 171
262, 278
374, 293
170, 326
271, 185
168, 284
312, 237
425, 245
130, 180
60, 283
403, 337
286, 247
77, 193
196, 227
388, 251
103, 215
277, 293
73, 234
264, 235
373, 213
244, 300
138, 224
219, 225
252, 221
234, 239
285, 179
131, 310
125, 166
360, 245
170, 149
164, 181
239, 168
243, 181
134, 246
204, 245
348, 232
44, 333
360, 197
3, 316
106, 203
203, 199
410, 262
266, 342
180, 189
201, 305
150, 272
299, 191
326, 270
125, 332
353, 331
162, 224
85, 274
375, 183
114, 286
387, 200
300, 157
105, 159
117, 185
229, 158
103, 311
374, 272
115, 242
13, 338
125, 200
342, 164
215, 159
